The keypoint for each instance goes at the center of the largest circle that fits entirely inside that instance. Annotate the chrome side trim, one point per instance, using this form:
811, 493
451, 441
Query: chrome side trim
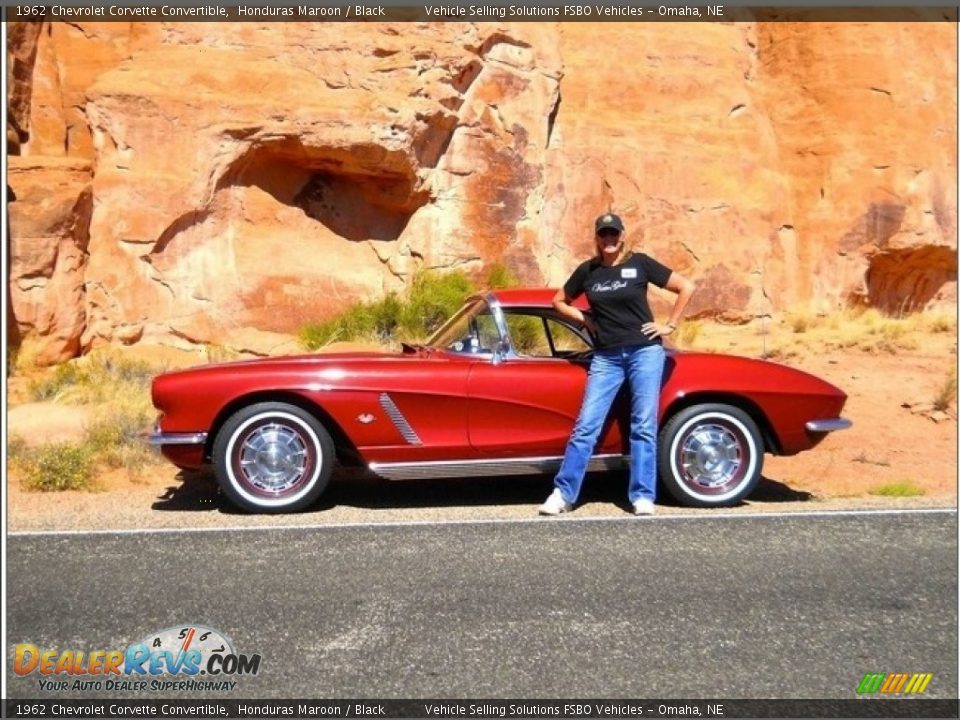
828, 425
398, 420
162, 438
480, 468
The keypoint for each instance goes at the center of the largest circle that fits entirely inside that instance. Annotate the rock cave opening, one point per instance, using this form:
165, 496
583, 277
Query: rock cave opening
360, 192
907, 280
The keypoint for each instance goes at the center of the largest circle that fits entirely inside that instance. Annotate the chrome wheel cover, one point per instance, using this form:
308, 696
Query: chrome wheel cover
712, 457
273, 459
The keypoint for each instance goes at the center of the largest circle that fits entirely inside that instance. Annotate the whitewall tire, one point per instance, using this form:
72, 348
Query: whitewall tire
273, 457
710, 455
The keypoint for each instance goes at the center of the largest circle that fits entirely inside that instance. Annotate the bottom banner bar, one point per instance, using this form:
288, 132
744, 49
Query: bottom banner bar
456, 709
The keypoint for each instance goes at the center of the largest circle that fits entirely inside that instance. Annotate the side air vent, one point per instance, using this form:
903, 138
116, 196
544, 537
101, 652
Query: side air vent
398, 420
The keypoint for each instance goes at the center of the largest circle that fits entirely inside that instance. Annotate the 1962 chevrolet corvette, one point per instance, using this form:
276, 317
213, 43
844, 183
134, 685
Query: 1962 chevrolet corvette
495, 391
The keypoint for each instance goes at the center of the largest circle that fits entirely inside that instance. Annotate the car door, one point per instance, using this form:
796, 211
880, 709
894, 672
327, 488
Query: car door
525, 405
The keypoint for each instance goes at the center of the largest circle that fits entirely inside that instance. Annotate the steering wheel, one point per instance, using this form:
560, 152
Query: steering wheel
470, 344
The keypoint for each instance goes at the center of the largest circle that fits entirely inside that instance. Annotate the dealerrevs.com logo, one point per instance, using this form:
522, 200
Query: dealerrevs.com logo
187, 658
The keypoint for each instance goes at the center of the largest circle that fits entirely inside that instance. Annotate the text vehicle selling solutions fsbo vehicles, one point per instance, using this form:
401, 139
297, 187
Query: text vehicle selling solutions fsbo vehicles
495, 391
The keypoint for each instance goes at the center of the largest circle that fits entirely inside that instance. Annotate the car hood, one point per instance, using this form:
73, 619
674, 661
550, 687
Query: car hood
307, 362
312, 358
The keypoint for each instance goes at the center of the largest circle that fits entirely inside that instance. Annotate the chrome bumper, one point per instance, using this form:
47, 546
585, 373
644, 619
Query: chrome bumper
161, 438
828, 425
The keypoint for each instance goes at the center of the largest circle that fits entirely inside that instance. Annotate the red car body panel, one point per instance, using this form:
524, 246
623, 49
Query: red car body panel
786, 397
463, 407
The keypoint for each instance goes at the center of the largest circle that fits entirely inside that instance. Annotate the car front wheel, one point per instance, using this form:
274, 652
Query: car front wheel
710, 455
273, 457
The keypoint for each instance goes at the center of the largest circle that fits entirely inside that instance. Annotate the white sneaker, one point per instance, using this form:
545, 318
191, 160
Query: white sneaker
555, 504
643, 507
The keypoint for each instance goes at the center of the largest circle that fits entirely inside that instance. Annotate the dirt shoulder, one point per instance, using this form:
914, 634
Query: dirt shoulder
896, 441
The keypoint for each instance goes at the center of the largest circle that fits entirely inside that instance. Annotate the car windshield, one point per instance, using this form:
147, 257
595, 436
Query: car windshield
472, 330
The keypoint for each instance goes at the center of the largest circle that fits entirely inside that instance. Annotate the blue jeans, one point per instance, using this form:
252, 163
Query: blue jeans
642, 367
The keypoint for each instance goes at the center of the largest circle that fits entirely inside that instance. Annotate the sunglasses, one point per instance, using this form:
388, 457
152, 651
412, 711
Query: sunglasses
608, 232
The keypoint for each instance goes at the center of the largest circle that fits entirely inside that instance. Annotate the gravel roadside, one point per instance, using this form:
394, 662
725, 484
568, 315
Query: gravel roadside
168, 501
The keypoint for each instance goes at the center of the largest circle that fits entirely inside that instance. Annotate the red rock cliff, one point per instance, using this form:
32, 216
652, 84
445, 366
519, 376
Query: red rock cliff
227, 183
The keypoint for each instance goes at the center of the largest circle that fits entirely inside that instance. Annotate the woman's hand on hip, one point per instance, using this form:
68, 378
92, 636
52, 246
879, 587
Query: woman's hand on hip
654, 330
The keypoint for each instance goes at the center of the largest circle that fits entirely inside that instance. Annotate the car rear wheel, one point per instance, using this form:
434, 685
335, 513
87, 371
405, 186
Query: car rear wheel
710, 455
273, 457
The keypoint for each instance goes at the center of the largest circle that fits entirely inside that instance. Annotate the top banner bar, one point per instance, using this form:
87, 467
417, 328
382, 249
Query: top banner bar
639, 11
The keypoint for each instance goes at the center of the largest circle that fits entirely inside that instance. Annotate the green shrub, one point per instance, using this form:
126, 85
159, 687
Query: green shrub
433, 298
430, 300
16, 448
64, 377
119, 387
499, 276
376, 321
116, 440
906, 488
941, 322
93, 379
125, 370
57, 466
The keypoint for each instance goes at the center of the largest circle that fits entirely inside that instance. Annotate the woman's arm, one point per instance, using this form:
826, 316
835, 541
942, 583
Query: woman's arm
684, 288
561, 304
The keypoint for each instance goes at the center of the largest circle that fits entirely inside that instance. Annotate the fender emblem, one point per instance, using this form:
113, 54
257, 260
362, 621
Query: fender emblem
366, 418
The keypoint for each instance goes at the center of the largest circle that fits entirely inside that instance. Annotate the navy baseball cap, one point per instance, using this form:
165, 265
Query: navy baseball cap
609, 221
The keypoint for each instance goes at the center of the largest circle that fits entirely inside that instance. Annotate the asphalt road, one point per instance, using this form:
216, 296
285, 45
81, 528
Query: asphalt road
731, 607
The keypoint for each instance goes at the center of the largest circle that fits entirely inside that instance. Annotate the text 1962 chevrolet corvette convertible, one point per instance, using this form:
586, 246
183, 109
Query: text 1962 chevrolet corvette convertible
495, 391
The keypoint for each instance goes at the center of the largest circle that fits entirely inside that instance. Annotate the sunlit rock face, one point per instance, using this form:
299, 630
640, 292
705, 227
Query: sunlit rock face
228, 183
50, 209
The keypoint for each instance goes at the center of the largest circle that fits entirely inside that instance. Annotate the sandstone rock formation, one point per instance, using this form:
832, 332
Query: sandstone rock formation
227, 183
50, 215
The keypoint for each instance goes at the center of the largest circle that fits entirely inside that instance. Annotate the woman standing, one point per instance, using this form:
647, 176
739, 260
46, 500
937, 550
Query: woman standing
627, 347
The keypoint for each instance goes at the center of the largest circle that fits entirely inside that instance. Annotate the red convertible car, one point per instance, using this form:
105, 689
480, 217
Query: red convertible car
495, 391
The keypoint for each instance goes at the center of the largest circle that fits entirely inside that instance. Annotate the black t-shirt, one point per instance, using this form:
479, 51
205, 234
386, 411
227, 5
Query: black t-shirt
618, 297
